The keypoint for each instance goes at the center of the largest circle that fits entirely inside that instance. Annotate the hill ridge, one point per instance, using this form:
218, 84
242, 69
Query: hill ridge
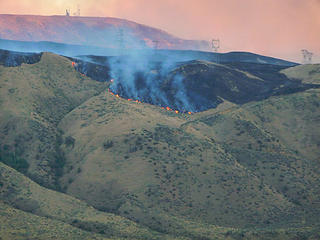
102, 32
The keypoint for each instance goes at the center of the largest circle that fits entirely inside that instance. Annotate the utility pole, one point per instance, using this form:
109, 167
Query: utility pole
68, 12
307, 56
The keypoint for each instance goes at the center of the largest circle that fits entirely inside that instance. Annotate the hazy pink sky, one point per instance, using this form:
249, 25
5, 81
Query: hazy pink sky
279, 28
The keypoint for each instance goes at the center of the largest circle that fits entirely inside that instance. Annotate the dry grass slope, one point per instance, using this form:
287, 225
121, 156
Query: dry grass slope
33, 99
159, 168
30, 199
140, 172
307, 73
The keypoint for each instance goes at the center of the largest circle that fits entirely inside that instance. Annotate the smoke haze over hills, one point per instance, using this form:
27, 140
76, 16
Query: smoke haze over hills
274, 28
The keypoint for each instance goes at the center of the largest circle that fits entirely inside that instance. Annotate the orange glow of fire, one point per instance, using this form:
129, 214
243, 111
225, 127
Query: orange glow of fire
73, 64
138, 101
112, 80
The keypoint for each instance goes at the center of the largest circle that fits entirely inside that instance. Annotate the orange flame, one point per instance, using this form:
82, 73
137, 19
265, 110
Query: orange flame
73, 64
138, 101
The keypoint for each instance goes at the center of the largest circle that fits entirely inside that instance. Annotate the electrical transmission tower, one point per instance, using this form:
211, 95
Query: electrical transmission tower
307, 56
215, 44
121, 41
77, 13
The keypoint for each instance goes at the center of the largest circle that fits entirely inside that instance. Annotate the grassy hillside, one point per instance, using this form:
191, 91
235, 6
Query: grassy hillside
33, 99
277, 139
16, 224
131, 170
21, 193
159, 168
29, 211
307, 73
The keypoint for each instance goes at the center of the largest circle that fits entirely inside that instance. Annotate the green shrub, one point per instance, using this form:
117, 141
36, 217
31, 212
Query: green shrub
108, 144
14, 161
69, 141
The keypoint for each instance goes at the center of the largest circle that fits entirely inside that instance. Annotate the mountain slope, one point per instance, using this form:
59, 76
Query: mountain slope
307, 73
152, 163
92, 31
33, 100
23, 194
16, 224
277, 139
247, 171
13, 59
192, 85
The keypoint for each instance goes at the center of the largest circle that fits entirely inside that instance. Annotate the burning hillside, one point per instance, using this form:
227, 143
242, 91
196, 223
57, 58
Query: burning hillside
180, 87
192, 86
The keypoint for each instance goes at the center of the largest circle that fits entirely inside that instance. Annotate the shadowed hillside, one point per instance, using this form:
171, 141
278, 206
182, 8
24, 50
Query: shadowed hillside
13, 59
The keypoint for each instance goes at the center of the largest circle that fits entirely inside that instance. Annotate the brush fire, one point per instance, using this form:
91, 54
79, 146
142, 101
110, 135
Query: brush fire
138, 101
119, 94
